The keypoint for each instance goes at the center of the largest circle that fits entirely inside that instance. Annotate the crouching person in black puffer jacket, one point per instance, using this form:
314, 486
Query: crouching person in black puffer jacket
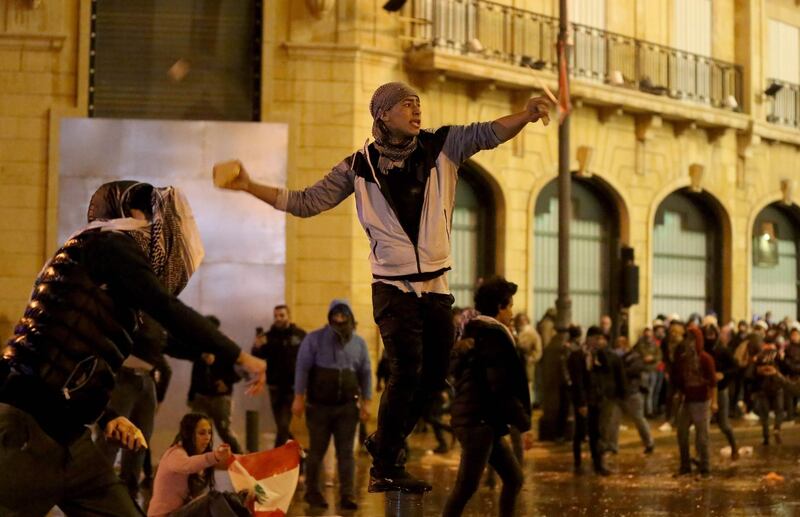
491, 394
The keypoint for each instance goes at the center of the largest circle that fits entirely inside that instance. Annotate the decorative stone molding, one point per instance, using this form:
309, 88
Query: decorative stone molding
423, 80
696, 177
787, 191
476, 89
679, 127
645, 124
32, 25
746, 141
604, 113
584, 155
318, 8
715, 133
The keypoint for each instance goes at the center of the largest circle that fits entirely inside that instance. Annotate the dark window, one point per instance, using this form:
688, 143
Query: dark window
687, 264
182, 59
473, 242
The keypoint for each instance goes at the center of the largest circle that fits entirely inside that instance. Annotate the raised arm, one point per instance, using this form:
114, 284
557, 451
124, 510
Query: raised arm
509, 126
462, 142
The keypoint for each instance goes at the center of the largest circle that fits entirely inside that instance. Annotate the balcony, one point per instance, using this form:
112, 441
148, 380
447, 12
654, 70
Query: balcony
486, 42
784, 109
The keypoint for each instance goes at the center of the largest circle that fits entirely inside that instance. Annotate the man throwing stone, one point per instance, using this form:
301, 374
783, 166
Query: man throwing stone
405, 184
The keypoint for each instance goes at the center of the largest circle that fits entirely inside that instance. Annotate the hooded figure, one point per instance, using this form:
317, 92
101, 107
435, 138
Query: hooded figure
694, 373
694, 377
333, 386
59, 369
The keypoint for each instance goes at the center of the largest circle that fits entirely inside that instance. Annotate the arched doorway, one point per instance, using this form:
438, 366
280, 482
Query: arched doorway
774, 282
594, 240
473, 234
687, 255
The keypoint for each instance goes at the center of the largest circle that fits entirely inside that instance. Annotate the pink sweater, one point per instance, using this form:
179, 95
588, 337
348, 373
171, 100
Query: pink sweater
171, 486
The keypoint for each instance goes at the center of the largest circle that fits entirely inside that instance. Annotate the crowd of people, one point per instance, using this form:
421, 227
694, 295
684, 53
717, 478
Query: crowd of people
90, 346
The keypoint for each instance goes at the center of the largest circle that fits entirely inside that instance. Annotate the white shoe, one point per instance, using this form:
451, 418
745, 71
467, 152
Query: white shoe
666, 427
751, 417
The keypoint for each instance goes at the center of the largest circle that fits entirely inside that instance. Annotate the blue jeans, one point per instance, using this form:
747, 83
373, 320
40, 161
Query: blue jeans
652, 381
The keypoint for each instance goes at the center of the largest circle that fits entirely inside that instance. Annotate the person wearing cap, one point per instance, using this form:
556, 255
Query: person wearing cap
761, 326
333, 387
59, 370
404, 184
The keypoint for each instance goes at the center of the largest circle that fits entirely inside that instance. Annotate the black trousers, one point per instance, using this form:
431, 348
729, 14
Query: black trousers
481, 445
339, 422
589, 424
280, 399
418, 335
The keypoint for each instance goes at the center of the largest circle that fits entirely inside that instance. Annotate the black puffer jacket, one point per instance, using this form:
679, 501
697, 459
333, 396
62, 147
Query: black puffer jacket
61, 363
491, 386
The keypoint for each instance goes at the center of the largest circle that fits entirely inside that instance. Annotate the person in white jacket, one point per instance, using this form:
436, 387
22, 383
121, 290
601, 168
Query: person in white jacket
404, 183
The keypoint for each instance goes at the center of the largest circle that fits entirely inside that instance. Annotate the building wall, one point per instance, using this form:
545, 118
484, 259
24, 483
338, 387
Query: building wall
319, 74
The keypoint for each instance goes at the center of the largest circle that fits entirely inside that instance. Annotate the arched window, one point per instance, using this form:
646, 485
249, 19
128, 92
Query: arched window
774, 281
473, 242
593, 234
687, 251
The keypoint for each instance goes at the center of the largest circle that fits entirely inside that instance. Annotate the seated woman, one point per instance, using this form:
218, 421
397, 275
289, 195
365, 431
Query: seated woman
491, 394
186, 470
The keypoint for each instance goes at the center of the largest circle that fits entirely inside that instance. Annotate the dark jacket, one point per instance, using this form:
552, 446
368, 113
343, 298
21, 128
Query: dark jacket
76, 331
280, 352
791, 360
212, 380
633, 364
724, 363
768, 384
491, 386
605, 379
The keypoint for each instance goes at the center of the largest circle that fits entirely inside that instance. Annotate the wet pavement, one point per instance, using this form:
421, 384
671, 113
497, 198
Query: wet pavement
639, 485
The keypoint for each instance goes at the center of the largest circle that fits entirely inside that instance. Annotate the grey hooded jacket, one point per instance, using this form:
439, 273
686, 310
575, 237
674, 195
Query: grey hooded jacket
393, 255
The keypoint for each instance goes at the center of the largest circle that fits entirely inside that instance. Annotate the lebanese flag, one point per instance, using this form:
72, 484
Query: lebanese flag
272, 475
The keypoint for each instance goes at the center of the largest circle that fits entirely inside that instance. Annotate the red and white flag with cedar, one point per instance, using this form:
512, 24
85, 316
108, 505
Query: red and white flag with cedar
272, 475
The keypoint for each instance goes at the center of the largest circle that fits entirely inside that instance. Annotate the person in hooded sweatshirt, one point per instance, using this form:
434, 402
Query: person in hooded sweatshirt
695, 380
58, 371
767, 386
404, 184
333, 386
726, 368
491, 394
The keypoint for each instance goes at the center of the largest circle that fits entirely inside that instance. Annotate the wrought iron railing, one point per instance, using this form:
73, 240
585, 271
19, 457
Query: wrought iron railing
785, 105
523, 38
